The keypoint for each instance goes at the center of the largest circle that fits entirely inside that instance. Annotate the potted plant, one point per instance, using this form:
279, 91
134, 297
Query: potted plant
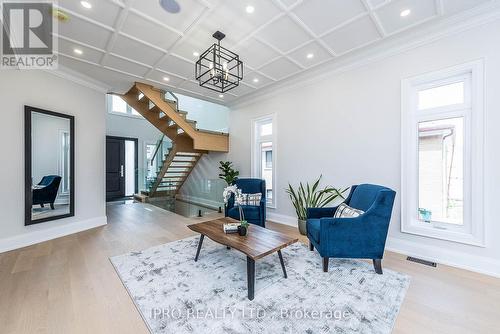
228, 173
243, 228
311, 197
238, 197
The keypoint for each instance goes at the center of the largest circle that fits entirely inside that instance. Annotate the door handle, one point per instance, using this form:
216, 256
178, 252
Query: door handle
121, 170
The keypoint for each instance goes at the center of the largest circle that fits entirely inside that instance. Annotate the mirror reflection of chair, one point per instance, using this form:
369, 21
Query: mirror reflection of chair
45, 192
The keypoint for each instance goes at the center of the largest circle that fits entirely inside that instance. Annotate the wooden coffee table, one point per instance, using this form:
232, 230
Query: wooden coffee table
258, 243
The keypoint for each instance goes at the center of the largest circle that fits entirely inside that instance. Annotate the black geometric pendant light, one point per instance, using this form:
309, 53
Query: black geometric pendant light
218, 68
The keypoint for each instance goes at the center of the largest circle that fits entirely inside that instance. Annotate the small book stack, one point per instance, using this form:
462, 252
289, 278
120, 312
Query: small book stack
230, 227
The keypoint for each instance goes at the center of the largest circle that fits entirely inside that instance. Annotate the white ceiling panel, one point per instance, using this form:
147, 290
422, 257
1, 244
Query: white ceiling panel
178, 66
310, 54
321, 15
149, 32
279, 33
125, 65
376, 3
215, 96
280, 68
190, 11
255, 54
264, 10
165, 78
192, 86
288, 3
352, 35
129, 48
198, 41
242, 89
103, 11
455, 6
392, 21
255, 79
85, 32
146, 43
88, 54
117, 82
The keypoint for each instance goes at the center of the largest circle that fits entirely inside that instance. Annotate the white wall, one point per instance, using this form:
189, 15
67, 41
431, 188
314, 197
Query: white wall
43, 90
133, 127
346, 126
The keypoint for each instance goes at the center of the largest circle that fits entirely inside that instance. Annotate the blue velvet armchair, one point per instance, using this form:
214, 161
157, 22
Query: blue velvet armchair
361, 237
45, 192
254, 214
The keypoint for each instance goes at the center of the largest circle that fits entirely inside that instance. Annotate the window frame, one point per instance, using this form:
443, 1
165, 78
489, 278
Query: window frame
472, 110
109, 107
64, 188
256, 153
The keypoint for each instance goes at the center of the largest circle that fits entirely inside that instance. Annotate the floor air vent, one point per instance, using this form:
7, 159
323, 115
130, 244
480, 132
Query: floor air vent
425, 262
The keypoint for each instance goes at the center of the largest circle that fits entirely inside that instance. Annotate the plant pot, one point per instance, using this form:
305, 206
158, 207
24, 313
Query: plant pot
302, 226
242, 230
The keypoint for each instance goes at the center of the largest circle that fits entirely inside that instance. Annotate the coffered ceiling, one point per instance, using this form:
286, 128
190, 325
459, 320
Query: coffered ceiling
119, 42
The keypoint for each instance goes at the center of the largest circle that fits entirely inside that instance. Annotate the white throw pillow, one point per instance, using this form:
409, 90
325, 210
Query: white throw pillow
345, 211
250, 199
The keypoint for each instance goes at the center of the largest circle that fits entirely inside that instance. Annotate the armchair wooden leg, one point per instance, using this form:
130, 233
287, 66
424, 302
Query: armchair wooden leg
311, 246
377, 264
325, 264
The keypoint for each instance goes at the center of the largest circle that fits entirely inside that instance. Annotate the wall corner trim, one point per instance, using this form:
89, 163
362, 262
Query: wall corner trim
37, 236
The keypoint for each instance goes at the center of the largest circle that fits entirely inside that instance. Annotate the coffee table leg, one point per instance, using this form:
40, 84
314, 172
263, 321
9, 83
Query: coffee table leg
282, 263
199, 247
251, 277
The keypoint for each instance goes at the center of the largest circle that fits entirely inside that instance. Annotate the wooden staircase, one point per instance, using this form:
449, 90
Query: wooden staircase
188, 142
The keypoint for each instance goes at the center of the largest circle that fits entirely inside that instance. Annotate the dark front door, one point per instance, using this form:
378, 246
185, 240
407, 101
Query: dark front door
115, 168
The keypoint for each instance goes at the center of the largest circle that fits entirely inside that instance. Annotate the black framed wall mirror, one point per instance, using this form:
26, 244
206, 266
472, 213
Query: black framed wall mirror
49, 145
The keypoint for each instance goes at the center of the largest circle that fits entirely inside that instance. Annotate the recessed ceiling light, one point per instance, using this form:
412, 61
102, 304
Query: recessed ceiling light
250, 9
310, 56
255, 80
196, 54
78, 51
166, 79
405, 13
221, 95
86, 4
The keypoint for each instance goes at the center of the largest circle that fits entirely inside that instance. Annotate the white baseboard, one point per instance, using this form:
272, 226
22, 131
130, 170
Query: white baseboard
34, 237
462, 260
281, 219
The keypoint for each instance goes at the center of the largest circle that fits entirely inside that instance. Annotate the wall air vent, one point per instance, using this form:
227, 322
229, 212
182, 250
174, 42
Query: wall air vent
421, 261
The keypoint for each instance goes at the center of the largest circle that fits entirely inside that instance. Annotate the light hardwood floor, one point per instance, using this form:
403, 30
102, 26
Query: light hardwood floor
68, 285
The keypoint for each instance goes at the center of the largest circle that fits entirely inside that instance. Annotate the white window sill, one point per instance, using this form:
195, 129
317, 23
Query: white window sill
463, 237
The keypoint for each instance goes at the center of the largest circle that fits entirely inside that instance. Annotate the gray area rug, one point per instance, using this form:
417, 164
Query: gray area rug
174, 294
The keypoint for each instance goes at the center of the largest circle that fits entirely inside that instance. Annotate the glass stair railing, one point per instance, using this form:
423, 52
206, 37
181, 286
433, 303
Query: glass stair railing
163, 146
203, 115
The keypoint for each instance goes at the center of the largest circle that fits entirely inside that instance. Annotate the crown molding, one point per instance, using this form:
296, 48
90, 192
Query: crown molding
395, 45
79, 78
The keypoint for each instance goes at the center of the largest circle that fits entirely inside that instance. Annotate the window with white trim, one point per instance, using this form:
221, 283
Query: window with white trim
442, 154
116, 105
264, 155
